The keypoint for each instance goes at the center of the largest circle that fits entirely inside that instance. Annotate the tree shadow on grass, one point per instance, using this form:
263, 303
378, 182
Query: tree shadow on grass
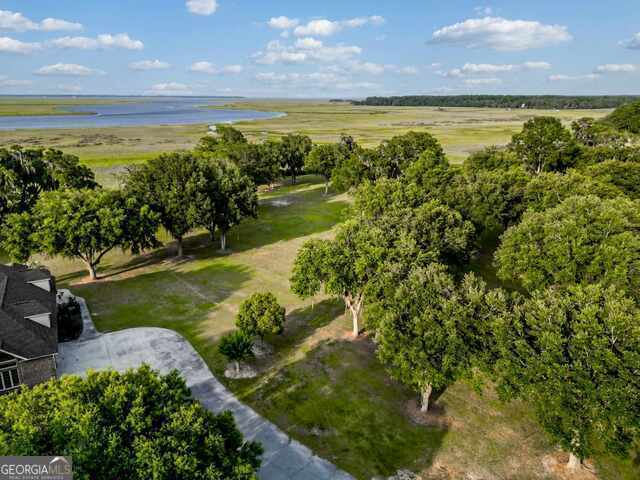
340, 402
180, 301
307, 213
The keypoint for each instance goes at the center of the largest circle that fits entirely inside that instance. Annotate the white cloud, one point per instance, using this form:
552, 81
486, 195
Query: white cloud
536, 65
501, 34
283, 23
633, 43
12, 83
121, 40
10, 45
491, 69
324, 28
169, 88
106, 40
55, 24
202, 7
232, 69
203, 67
17, 22
309, 50
369, 68
66, 69
616, 68
357, 86
308, 42
210, 68
563, 78
482, 68
149, 65
483, 81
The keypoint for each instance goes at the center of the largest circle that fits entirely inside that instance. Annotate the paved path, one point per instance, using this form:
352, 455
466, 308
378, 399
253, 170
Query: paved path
164, 350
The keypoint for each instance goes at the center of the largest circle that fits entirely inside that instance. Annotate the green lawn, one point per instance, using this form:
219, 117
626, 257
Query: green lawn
320, 386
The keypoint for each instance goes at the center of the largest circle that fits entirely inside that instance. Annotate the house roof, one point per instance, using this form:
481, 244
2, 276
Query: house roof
19, 299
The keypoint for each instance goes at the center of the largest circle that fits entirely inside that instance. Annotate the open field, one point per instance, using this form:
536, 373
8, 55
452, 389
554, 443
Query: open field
20, 106
460, 130
320, 386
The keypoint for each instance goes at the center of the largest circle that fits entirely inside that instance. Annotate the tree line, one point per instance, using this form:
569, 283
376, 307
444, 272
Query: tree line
61, 210
562, 102
562, 328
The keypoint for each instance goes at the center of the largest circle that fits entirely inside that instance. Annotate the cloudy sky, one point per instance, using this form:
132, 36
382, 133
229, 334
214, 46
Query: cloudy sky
332, 48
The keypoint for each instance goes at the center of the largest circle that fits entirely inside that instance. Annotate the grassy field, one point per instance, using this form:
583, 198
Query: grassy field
320, 386
460, 130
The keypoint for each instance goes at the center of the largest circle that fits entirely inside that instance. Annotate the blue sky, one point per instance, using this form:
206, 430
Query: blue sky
264, 48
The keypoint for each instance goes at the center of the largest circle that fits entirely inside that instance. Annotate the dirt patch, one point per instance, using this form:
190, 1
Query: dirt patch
435, 417
556, 464
245, 371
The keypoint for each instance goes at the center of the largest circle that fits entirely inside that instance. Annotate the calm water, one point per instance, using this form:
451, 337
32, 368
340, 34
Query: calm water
164, 111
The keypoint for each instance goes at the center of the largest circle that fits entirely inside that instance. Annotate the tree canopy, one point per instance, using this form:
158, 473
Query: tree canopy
172, 185
432, 331
136, 425
574, 354
26, 173
626, 117
261, 315
293, 150
544, 145
583, 240
82, 224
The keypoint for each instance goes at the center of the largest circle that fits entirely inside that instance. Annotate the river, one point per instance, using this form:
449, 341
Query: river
138, 112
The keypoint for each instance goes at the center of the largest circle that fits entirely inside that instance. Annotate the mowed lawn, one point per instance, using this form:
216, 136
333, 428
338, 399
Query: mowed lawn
320, 386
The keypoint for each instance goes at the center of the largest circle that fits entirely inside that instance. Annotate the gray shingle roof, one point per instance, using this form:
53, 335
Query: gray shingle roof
19, 299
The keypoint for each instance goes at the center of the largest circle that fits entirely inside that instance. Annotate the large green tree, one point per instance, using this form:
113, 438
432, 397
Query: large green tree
227, 197
136, 425
583, 240
623, 175
545, 145
370, 253
174, 187
293, 152
26, 173
323, 159
626, 117
574, 354
397, 153
549, 189
432, 332
84, 225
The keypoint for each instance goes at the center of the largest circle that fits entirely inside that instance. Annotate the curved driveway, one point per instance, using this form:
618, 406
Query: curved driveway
164, 350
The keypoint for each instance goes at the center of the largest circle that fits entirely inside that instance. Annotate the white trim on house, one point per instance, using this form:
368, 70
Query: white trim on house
42, 319
44, 284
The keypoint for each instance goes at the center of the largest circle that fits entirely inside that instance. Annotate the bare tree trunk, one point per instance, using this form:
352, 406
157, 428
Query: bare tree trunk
223, 241
425, 396
179, 246
237, 364
574, 462
92, 270
326, 188
355, 306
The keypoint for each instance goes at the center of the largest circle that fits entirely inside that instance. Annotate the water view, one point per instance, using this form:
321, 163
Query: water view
137, 112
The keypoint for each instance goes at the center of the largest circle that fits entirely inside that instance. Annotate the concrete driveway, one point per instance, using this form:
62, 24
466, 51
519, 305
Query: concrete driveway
165, 350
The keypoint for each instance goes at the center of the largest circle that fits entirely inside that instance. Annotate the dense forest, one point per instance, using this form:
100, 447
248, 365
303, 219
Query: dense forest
501, 101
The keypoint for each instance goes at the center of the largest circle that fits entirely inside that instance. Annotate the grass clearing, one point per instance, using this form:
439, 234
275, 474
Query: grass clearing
320, 387
22, 106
